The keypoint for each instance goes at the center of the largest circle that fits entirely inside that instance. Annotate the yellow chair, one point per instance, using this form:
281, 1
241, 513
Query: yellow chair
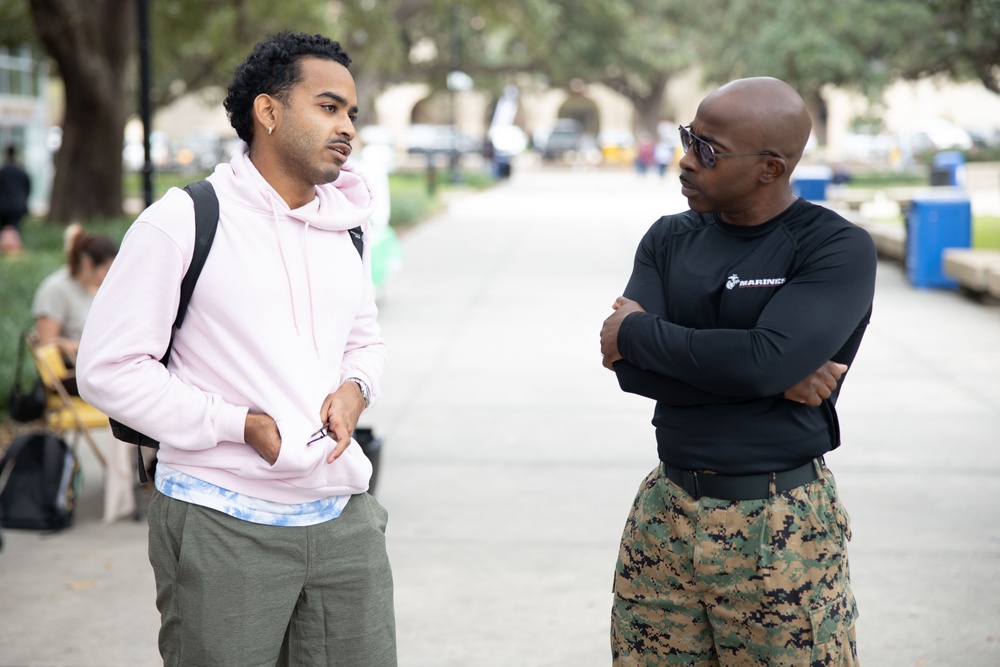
63, 412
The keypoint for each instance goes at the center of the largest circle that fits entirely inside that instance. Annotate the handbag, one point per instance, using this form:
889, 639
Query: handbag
25, 405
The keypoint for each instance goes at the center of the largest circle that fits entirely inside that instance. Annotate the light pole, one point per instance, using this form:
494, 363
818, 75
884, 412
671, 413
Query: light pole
144, 104
458, 82
453, 81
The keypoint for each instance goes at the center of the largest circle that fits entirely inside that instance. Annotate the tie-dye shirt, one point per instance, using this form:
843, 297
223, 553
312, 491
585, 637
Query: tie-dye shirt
181, 486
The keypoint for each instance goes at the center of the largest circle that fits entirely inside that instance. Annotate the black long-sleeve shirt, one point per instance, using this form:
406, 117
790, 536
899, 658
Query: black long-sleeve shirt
15, 187
734, 316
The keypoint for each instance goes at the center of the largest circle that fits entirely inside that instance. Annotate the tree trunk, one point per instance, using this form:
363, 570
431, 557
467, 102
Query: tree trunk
90, 41
648, 104
816, 105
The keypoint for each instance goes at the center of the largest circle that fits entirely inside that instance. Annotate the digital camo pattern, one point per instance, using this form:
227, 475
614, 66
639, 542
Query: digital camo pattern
712, 582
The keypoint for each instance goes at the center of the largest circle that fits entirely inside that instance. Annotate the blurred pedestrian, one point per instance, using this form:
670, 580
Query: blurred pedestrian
740, 319
265, 546
63, 299
663, 155
645, 154
15, 188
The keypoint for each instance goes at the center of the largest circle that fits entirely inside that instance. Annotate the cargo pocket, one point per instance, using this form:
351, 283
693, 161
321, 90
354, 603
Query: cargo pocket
843, 521
833, 631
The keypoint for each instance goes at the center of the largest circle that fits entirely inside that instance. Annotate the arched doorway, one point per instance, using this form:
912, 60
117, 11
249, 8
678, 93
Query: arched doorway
435, 109
584, 111
574, 136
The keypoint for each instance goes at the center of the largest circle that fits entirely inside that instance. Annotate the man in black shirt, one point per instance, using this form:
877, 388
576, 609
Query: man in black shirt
740, 318
15, 187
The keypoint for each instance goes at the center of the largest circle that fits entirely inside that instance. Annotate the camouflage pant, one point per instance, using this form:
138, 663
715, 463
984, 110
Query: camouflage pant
709, 583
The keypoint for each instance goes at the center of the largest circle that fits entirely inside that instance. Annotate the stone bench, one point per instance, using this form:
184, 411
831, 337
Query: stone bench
971, 267
993, 281
852, 198
889, 237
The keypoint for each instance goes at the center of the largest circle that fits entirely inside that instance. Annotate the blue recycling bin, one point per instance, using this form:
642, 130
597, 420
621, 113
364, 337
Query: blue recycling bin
933, 224
810, 182
948, 169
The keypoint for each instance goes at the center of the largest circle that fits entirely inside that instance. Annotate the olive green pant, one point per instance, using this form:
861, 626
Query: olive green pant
238, 594
754, 583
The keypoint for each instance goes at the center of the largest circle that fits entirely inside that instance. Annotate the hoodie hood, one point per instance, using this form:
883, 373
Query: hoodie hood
337, 206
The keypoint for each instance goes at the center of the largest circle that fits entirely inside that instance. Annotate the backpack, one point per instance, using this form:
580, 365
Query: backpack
39, 481
206, 221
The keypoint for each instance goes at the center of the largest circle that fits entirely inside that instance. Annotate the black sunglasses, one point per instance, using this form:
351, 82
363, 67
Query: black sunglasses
706, 154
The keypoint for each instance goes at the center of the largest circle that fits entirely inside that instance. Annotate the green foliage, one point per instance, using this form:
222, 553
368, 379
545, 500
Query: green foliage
809, 43
198, 44
962, 43
887, 179
411, 201
986, 232
983, 154
15, 25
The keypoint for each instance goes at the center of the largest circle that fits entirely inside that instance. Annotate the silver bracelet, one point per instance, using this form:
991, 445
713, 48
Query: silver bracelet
365, 393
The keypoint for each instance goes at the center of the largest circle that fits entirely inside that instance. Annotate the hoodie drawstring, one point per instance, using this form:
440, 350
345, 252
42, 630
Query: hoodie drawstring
288, 275
284, 262
309, 289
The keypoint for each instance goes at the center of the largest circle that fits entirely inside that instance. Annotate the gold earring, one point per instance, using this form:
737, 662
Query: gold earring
270, 129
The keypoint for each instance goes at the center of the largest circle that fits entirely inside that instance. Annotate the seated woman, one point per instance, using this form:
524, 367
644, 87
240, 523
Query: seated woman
61, 305
63, 299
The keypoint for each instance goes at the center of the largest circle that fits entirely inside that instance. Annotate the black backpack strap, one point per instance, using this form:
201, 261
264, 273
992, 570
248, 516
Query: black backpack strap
358, 238
206, 221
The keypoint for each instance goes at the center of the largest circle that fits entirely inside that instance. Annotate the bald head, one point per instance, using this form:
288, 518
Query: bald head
765, 112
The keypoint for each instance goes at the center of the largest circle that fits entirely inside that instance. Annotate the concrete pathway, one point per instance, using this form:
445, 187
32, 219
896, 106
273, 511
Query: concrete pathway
511, 457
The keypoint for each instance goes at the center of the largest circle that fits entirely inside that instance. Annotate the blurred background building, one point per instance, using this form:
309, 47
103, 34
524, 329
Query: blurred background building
25, 117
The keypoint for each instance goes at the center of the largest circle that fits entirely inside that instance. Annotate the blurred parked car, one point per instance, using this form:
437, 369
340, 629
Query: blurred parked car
426, 138
564, 138
867, 147
985, 137
936, 135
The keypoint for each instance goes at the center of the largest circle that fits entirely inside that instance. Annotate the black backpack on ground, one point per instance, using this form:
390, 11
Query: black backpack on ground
206, 221
39, 482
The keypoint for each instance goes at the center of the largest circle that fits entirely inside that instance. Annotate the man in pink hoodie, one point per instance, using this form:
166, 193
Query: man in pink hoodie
265, 545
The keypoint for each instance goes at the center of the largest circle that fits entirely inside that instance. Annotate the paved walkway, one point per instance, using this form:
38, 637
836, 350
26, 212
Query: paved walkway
511, 457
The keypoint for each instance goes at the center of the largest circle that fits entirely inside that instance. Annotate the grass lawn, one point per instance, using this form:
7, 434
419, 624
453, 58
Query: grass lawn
879, 179
986, 232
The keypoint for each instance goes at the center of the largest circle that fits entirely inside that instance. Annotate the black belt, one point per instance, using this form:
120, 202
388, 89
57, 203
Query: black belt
739, 487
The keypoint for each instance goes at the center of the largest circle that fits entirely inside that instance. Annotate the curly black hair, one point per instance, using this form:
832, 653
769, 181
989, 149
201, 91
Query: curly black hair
272, 68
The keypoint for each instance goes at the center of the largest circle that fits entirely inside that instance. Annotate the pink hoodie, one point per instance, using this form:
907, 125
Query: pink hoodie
283, 313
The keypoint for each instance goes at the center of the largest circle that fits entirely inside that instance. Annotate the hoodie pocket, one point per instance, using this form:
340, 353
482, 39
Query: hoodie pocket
295, 458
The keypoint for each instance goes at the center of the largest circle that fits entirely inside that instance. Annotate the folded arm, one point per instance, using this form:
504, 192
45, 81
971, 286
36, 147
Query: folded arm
807, 321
